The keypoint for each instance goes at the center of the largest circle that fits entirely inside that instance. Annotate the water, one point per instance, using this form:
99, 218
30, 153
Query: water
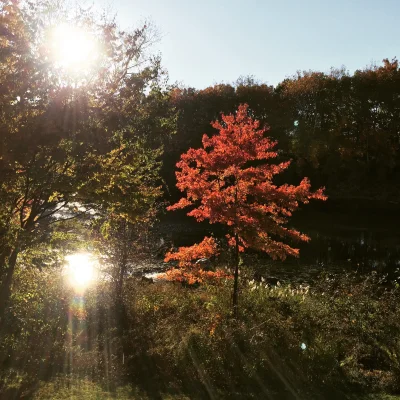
362, 240
344, 238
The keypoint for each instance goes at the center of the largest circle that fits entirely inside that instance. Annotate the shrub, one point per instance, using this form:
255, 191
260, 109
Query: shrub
341, 335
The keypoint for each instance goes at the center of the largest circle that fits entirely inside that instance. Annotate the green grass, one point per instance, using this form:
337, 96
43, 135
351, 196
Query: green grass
335, 340
83, 389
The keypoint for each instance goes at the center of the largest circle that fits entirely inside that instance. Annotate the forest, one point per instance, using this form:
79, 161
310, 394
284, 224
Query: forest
159, 241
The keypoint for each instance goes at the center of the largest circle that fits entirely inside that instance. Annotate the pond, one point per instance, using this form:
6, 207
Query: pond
343, 238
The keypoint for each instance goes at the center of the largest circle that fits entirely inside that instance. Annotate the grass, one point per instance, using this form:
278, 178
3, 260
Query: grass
337, 339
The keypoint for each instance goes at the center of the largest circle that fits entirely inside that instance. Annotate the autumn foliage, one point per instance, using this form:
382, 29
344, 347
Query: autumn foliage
186, 255
187, 270
230, 181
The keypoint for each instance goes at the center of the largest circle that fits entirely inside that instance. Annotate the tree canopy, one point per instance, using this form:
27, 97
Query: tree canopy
91, 139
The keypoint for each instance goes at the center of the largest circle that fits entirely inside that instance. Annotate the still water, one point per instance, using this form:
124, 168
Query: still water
343, 239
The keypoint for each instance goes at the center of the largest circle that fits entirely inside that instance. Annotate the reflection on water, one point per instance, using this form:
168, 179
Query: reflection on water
359, 240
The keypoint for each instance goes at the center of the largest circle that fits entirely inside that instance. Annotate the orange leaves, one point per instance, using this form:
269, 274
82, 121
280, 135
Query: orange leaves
188, 269
194, 275
187, 255
232, 243
182, 203
230, 181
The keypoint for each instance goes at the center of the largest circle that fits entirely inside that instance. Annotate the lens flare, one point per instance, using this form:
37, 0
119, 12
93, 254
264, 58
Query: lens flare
81, 270
74, 49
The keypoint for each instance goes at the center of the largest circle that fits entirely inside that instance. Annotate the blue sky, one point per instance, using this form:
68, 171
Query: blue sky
207, 42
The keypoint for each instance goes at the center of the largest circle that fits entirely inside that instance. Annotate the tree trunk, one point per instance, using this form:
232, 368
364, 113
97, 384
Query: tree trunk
121, 313
122, 269
236, 278
121, 277
5, 288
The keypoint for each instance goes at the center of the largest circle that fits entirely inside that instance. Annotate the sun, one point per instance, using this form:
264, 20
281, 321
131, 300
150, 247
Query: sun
81, 270
74, 49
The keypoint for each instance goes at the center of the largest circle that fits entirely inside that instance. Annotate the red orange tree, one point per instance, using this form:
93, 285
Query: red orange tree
230, 181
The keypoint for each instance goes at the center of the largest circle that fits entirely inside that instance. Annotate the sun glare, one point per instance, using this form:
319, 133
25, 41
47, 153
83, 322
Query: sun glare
74, 49
81, 270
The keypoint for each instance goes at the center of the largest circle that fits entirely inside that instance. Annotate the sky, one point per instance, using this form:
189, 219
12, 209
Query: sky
205, 42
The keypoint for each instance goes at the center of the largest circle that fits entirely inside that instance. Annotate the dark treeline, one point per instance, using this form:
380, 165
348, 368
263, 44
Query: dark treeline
342, 130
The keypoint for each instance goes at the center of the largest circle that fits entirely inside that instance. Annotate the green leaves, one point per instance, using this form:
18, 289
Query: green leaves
69, 147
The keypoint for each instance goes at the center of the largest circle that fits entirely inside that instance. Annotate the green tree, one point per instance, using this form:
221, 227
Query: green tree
92, 139
345, 128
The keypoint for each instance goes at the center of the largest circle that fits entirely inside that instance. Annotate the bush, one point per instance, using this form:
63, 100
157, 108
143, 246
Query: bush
337, 337
331, 340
